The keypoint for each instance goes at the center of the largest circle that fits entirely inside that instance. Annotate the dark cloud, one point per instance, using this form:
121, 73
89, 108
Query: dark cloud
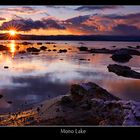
29, 24
126, 29
78, 20
98, 7
128, 16
77, 23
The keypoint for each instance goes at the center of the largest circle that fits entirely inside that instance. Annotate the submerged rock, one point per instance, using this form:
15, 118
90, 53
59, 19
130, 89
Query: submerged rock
82, 48
1, 96
39, 43
26, 43
6, 67
32, 49
62, 51
3, 48
123, 71
43, 48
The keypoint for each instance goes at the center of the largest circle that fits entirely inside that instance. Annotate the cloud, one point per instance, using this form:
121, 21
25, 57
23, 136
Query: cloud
126, 29
29, 24
98, 7
22, 10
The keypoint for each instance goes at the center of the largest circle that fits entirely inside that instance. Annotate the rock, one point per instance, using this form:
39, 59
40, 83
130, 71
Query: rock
32, 49
9, 102
82, 48
3, 48
82, 59
43, 48
123, 71
96, 107
39, 43
1, 96
90, 90
6, 67
26, 43
67, 101
138, 47
121, 57
113, 46
103, 50
54, 50
22, 52
38, 109
62, 51
127, 51
35, 53
116, 52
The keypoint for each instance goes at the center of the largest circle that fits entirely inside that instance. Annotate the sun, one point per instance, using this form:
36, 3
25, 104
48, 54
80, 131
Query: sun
12, 32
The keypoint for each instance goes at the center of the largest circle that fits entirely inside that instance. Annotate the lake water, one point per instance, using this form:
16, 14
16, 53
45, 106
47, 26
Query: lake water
31, 79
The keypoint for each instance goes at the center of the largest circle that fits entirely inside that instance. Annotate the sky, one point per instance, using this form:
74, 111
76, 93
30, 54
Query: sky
71, 20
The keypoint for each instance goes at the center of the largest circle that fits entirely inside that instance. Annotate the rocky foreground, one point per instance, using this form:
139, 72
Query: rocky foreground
86, 104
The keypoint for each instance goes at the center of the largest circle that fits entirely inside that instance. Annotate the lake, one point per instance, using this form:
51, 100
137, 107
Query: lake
32, 78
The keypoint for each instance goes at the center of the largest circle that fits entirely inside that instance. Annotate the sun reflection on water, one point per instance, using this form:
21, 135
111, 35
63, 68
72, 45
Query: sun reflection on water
12, 48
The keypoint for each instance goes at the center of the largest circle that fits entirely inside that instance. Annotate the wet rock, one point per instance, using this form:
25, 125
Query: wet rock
38, 109
82, 59
32, 49
62, 51
138, 47
82, 48
3, 48
39, 43
54, 50
123, 71
22, 52
127, 51
103, 50
1, 96
6, 67
43, 48
113, 46
26, 43
50, 43
116, 51
35, 53
67, 101
9, 102
121, 57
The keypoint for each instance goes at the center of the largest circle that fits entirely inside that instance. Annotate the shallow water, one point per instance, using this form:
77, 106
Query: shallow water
30, 79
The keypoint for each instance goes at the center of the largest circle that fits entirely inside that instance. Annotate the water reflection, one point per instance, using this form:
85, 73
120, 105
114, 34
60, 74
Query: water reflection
34, 78
12, 48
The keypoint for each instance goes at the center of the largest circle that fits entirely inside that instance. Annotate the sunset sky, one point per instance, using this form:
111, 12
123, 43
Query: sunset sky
71, 20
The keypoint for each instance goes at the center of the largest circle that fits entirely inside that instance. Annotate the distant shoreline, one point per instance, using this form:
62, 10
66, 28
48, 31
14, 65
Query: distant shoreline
74, 38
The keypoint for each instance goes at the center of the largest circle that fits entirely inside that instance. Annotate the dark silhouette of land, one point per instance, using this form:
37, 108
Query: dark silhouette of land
73, 37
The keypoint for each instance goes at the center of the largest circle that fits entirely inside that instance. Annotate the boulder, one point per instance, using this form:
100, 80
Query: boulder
123, 71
